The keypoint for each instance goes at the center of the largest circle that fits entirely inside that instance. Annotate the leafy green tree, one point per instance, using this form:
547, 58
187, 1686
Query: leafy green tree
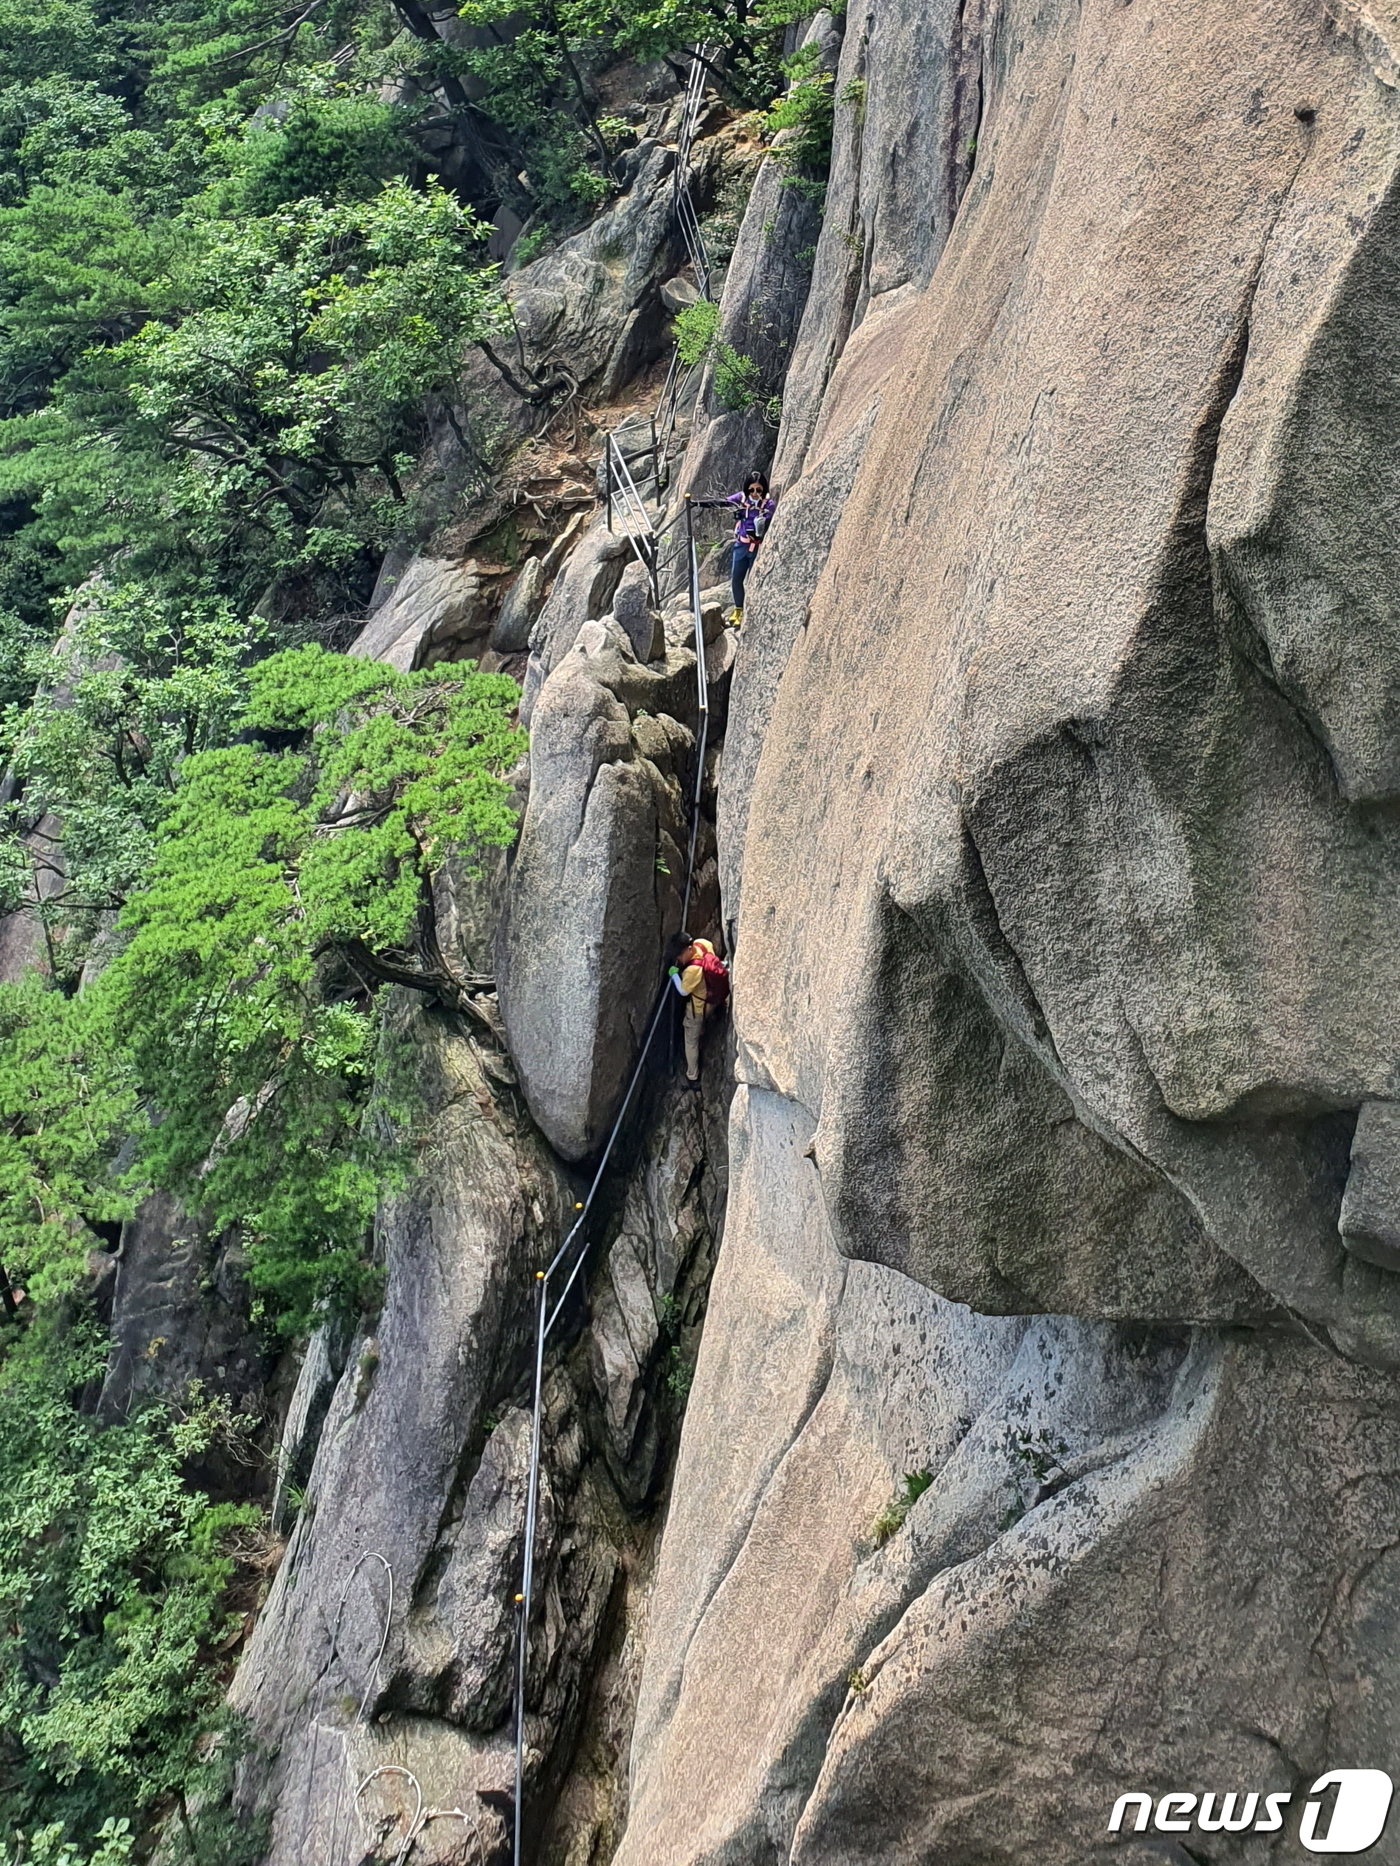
324, 148
113, 1581
286, 886
236, 432
67, 1100
137, 682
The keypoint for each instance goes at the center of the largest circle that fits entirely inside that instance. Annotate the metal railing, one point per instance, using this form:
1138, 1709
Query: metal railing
627, 504
702, 729
680, 377
682, 200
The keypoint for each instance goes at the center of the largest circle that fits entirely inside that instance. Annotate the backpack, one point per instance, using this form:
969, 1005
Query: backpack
716, 980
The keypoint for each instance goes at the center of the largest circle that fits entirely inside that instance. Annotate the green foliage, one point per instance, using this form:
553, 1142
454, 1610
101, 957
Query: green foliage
329, 148
287, 886
46, 1846
738, 381
236, 432
695, 327
531, 244
113, 1576
66, 1100
136, 684
283, 889
230, 295
891, 1518
806, 112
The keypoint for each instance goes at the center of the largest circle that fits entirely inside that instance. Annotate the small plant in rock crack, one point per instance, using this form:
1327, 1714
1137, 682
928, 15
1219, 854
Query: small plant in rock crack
1039, 1454
679, 1374
668, 1312
891, 1519
856, 1682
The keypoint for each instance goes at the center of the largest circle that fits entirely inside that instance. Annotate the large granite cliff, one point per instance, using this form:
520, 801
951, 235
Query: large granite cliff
1058, 835
1053, 835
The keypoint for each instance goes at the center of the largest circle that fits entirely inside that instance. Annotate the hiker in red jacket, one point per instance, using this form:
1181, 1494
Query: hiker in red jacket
702, 979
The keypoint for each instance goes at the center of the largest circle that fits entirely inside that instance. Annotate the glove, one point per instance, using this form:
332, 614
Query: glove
675, 971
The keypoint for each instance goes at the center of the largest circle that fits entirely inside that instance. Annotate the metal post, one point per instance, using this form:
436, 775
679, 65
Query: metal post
527, 1579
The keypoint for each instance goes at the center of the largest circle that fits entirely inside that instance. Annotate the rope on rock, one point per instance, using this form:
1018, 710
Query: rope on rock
421, 1815
371, 1555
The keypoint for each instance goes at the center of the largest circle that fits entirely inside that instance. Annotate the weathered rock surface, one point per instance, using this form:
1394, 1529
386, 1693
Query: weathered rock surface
405, 1471
1057, 783
1068, 776
511, 631
595, 882
594, 302
432, 610
582, 592
179, 1314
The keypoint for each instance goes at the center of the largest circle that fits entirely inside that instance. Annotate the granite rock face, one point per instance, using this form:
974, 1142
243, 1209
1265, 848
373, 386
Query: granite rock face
1042, 1440
1088, 788
1039, 1441
432, 610
1142, 1557
402, 1458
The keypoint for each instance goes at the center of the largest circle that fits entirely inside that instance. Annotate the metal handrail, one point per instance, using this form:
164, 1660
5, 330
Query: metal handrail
636, 520
576, 1242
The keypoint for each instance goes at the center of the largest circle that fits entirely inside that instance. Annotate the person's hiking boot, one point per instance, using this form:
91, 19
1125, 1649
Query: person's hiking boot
693, 1084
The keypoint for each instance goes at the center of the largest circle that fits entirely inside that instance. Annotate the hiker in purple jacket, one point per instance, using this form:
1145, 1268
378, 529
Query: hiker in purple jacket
755, 507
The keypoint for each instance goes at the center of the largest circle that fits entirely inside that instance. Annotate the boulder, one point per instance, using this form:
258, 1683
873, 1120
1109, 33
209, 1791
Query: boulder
909, 96
583, 590
510, 634
635, 615
431, 610
594, 888
679, 292
761, 306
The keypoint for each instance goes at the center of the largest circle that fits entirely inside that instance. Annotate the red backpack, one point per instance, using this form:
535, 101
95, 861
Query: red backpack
716, 980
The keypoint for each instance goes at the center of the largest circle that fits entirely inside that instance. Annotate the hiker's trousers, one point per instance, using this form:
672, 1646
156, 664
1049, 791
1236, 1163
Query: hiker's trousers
739, 567
692, 1024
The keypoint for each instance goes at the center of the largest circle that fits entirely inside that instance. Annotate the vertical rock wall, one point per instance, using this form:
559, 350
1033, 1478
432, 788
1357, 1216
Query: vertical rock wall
1057, 839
